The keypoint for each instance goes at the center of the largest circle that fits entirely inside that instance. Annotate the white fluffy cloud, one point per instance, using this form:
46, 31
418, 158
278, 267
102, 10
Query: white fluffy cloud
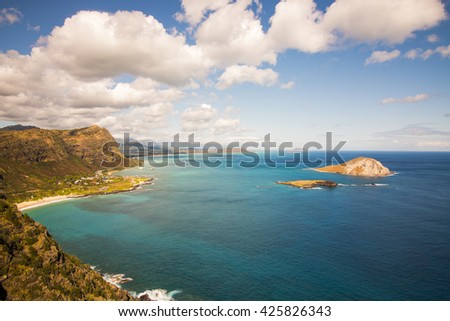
241, 74
123, 43
207, 122
34, 91
406, 100
297, 24
73, 77
140, 92
197, 118
234, 35
382, 56
61, 84
390, 21
226, 125
300, 25
10, 16
140, 122
195, 10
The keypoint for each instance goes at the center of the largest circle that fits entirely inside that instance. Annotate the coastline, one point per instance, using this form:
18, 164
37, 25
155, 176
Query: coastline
22, 206
44, 201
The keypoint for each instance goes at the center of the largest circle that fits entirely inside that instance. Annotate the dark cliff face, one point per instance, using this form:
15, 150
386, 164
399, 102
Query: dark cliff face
33, 267
33, 160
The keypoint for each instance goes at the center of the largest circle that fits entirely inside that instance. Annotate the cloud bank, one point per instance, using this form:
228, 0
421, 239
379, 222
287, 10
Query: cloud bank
130, 70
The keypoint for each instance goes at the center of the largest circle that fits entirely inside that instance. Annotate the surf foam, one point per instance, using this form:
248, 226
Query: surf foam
156, 295
148, 295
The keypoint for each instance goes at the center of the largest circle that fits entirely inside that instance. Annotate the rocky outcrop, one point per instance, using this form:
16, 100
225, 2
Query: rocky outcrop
361, 166
33, 266
308, 184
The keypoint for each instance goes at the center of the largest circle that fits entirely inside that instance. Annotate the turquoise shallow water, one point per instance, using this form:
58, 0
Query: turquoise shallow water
233, 234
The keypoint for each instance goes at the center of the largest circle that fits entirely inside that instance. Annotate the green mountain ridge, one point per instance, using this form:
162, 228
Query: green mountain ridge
35, 163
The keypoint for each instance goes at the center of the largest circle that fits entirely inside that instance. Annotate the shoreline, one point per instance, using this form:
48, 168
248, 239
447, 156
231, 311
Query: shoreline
60, 198
45, 201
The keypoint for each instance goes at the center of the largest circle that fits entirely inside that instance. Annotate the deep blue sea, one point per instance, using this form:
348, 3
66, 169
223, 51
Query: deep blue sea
233, 234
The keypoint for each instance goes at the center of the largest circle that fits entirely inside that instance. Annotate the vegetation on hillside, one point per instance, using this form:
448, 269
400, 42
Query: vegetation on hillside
33, 267
36, 163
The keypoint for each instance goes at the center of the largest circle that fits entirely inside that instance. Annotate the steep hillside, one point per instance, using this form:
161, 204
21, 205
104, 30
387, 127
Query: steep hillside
33, 267
86, 143
33, 162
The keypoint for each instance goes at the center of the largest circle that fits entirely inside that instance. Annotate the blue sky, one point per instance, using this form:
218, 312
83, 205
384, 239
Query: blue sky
375, 73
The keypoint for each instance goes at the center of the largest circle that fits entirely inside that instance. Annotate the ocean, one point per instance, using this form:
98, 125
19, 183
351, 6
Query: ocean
234, 234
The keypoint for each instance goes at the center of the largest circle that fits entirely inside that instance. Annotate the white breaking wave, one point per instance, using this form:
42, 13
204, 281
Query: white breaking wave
116, 279
147, 295
156, 295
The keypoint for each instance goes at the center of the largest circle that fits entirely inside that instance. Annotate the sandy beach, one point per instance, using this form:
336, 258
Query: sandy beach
44, 201
55, 199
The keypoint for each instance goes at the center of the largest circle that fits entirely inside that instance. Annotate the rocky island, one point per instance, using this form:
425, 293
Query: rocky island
360, 166
308, 184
